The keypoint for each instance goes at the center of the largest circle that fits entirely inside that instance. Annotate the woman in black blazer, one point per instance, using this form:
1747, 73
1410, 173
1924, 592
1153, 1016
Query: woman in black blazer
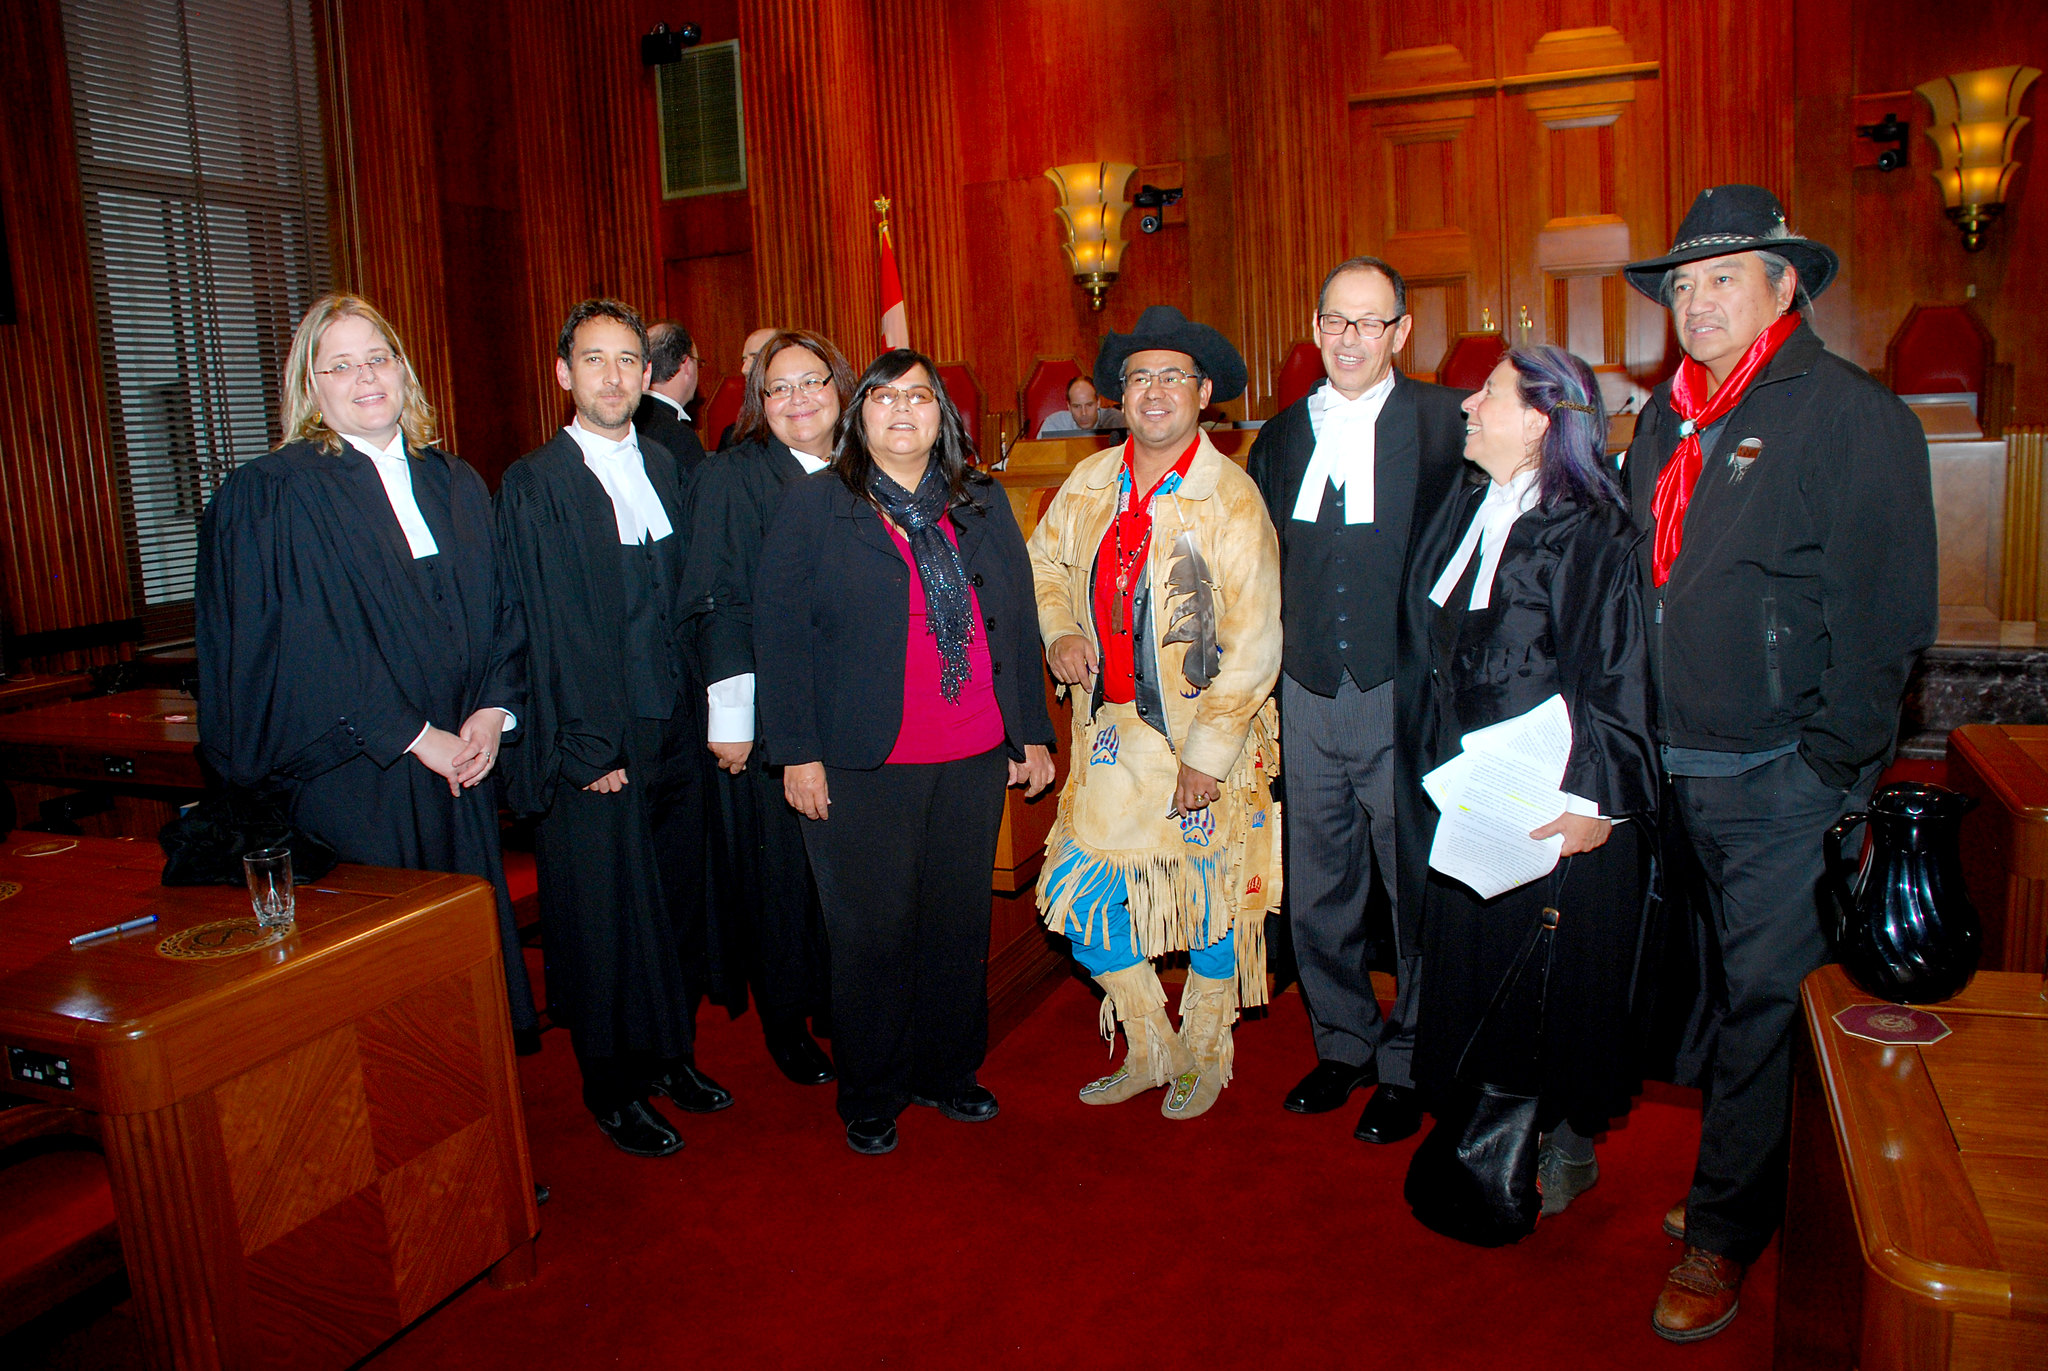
896, 656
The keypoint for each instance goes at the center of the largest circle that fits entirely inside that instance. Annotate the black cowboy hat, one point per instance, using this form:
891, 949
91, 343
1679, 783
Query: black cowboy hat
1164, 327
1730, 219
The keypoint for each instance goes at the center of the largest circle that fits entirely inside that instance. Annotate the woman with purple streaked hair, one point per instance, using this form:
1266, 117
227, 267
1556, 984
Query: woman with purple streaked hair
1525, 585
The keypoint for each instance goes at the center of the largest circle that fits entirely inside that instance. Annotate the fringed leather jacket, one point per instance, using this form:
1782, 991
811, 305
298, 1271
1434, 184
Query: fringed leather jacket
1211, 589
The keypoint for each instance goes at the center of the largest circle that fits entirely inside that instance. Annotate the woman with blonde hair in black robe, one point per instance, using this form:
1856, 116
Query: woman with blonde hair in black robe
354, 662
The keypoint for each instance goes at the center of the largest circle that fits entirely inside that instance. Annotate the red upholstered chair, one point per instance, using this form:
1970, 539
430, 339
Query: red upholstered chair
57, 1232
1470, 359
724, 408
1944, 350
1298, 375
966, 394
1045, 394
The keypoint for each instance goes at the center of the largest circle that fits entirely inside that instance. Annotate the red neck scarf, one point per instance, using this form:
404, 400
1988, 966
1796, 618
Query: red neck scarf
1688, 400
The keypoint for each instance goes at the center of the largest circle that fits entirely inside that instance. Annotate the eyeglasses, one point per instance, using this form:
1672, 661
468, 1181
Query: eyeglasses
1368, 327
1169, 378
369, 366
783, 391
889, 397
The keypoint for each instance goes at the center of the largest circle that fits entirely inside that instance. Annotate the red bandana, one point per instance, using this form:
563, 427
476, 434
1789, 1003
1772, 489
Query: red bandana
1119, 563
1682, 472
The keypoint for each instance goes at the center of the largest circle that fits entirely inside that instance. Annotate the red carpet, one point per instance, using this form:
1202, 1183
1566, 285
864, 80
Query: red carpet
1057, 1235
1060, 1235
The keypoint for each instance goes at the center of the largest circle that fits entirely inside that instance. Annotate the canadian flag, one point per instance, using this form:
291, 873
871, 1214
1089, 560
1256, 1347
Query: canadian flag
895, 322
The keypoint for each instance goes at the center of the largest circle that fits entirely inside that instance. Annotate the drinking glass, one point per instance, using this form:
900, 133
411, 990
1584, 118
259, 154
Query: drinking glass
270, 885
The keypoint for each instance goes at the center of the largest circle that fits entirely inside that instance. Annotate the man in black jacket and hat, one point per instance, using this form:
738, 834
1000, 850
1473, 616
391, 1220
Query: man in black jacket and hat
591, 535
1790, 581
1350, 473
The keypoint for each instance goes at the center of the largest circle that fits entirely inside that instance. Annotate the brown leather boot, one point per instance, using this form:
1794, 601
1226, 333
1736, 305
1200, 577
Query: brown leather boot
1156, 1056
1700, 1297
1674, 1221
1207, 1010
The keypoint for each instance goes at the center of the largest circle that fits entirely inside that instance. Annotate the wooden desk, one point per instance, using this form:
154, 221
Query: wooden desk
312, 1141
1916, 1228
2005, 838
136, 738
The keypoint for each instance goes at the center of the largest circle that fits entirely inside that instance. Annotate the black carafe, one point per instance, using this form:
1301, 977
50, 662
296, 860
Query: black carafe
1904, 926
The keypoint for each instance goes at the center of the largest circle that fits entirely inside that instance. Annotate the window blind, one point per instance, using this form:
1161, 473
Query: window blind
199, 152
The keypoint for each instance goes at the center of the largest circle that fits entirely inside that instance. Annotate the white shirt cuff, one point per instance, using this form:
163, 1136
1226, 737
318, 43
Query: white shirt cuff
731, 709
1579, 804
511, 719
425, 729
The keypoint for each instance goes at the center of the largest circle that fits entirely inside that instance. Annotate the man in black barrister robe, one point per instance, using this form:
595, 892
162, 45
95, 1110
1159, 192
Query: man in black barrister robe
1351, 473
591, 533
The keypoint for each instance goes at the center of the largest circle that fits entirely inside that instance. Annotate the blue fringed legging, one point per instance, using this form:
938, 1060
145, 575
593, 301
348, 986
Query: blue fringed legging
1116, 949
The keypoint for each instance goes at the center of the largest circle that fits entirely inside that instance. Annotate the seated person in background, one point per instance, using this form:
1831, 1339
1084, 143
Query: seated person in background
1085, 413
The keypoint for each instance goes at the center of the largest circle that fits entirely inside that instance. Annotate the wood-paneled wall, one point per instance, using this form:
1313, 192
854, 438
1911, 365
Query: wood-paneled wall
61, 544
1898, 247
385, 177
493, 163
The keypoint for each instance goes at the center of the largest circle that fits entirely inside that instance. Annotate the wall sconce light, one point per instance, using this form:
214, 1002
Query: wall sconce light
1976, 121
1092, 207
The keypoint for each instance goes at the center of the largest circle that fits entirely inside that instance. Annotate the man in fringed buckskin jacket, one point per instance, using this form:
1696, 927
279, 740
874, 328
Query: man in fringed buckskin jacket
1158, 578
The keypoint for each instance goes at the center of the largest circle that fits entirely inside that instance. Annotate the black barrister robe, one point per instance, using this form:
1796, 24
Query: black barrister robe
764, 876
621, 882
324, 647
1565, 617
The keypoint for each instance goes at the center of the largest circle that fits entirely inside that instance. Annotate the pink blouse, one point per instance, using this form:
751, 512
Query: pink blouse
936, 729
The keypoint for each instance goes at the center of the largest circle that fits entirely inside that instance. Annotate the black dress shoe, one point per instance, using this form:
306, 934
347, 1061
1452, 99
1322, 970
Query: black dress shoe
799, 1057
975, 1104
637, 1129
540, 1193
526, 1042
692, 1091
1328, 1086
1394, 1112
871, 1137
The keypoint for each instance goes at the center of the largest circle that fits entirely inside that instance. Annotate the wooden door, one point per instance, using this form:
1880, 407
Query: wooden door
1582, 130
1425, 171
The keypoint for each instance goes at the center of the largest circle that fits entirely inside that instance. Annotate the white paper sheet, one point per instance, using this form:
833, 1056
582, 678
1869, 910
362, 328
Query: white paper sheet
1505, 783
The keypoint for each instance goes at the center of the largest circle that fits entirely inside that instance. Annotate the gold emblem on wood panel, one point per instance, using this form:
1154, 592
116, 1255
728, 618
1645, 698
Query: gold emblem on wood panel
9, 889
221, 938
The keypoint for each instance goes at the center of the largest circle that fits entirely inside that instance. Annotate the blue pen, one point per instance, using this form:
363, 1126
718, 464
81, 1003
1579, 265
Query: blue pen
144, 922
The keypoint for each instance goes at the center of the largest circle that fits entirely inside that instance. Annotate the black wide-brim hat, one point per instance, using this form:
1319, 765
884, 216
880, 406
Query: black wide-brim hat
1163, 326
1731, 219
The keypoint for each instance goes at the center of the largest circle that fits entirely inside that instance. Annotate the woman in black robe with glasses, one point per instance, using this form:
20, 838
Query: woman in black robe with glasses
355, 660
897, 657
795, 392
1526, 586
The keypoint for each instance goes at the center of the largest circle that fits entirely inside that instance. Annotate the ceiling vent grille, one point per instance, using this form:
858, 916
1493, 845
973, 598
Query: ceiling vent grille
703, 137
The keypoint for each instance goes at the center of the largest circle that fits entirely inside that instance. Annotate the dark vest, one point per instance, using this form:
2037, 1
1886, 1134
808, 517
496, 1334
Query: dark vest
650, 574
1340, 588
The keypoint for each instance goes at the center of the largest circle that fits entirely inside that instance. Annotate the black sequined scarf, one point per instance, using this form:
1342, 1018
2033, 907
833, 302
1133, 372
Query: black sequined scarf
948, 609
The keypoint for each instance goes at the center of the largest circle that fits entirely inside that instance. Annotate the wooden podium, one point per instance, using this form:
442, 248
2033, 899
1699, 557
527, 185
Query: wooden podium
313, 1138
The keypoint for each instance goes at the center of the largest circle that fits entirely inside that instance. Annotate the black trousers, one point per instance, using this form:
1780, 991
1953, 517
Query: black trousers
766, 877
621, 896
1759, 839
903, 869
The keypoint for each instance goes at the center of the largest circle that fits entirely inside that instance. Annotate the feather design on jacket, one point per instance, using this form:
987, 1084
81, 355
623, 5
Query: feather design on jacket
1193, 612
